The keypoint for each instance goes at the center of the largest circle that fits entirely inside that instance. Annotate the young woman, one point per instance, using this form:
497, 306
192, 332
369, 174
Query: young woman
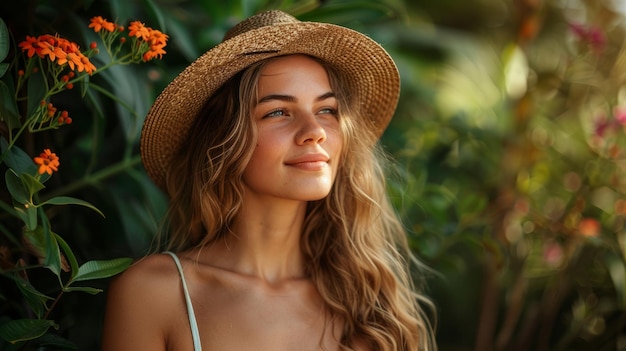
281, 236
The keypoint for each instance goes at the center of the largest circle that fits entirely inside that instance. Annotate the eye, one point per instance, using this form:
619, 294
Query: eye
328, 111
275, 113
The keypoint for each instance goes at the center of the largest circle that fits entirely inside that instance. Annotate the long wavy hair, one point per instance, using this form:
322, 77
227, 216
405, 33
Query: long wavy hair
355, 247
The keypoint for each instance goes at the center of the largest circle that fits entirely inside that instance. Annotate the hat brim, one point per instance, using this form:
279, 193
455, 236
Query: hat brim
370, 71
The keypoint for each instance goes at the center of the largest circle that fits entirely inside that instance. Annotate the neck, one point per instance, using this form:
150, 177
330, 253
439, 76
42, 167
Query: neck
265, 241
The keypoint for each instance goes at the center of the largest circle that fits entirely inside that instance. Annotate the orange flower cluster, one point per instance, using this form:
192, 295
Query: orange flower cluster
47, 161
59, 50
155, 39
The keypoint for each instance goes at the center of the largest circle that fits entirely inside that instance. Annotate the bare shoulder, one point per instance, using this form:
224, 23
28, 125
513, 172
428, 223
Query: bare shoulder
141, 304
153, 270
147, 280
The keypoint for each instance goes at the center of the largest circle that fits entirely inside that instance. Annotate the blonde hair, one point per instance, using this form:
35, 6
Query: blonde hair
354, 244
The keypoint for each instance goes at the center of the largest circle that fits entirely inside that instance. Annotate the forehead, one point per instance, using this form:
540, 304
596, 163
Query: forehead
293, 72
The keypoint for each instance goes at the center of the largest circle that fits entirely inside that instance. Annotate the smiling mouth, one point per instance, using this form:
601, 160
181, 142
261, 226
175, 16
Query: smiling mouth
309, 162
309, 165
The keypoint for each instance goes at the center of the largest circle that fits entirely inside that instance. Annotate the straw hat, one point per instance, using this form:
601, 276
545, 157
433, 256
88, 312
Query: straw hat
371, 73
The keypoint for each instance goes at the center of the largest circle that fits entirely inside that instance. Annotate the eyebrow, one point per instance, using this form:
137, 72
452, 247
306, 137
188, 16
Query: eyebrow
290, 98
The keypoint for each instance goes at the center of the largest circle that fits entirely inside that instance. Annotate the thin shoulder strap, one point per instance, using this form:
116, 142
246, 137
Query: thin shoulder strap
192, 316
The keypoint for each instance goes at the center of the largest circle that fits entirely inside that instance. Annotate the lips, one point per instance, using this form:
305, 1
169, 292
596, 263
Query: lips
309, 161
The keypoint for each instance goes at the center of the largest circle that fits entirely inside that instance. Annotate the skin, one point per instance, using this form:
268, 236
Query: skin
250, 290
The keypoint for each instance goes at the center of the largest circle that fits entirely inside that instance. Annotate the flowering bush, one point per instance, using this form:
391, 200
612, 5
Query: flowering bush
516, 188
48, 66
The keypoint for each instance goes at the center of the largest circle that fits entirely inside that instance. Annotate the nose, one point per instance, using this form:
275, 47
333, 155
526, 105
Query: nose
310, 130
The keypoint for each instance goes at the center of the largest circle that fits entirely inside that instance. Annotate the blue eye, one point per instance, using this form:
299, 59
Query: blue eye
275, 113
328, 111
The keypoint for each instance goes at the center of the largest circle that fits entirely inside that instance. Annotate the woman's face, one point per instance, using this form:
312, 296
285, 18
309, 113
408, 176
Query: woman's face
299, 139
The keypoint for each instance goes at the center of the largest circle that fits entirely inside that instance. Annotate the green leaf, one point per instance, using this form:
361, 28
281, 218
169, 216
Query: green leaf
102, 269
16, 187
45, 245
69, 255
35, 240
8, 107
66, 200
52, 258
132, 101
28, 215
25, 329
617, 270
92, 291
35, 299
4, 41
56, 342
32, 184
17, 159
4, 67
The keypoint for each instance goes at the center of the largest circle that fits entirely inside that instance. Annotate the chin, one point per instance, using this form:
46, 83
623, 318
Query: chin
318, 196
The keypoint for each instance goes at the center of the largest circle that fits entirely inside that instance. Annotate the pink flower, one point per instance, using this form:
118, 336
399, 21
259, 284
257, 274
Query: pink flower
601, 125
552, 254
619, 112
593, 36
596, 39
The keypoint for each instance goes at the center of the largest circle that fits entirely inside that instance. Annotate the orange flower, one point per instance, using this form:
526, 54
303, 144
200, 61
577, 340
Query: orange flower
98, 23
30, 45
589, 227
89, 67
157, 38
153, 52
51, 46
51, 51
72, 60
48, 162
139, 30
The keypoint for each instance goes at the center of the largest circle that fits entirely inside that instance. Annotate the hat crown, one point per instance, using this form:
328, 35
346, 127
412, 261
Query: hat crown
264, 19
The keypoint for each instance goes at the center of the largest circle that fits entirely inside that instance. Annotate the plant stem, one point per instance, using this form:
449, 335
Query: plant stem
53, 305
488, 314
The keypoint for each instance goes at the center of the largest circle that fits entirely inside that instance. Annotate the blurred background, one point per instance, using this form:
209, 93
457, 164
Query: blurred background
509, 141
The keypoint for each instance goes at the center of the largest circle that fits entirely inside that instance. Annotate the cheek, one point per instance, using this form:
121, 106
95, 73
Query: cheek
335, 148
264, 154
336, 141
